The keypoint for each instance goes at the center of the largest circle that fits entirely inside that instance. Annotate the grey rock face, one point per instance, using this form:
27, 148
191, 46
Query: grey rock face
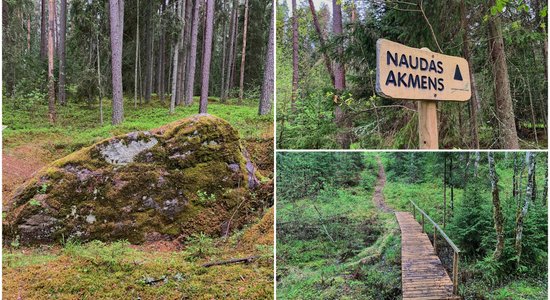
119, 153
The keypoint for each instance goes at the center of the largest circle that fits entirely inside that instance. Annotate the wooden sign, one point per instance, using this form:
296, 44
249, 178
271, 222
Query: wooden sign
418, 74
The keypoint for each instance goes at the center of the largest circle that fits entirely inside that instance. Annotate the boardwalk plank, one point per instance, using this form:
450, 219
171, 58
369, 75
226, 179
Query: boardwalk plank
423, 275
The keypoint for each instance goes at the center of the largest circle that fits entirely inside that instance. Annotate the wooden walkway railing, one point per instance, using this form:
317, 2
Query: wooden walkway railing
423, 274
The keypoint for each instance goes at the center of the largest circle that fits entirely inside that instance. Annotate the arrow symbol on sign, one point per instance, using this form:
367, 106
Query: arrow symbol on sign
458, 75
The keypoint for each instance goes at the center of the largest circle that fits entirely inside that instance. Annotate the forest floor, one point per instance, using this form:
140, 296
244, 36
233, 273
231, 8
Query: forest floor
362, 263
160, 270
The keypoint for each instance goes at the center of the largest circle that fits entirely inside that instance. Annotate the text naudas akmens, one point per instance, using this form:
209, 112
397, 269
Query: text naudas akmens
404, 79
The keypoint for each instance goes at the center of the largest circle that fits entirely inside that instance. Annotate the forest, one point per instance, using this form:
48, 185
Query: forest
132, 126
338, 237
326, 73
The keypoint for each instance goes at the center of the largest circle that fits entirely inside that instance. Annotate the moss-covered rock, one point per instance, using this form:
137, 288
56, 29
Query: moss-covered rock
189, 176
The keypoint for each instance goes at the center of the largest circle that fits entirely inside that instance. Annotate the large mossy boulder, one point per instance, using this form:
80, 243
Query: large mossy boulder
189, 176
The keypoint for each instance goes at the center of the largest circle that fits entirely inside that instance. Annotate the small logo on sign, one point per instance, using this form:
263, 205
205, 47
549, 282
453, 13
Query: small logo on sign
458, 75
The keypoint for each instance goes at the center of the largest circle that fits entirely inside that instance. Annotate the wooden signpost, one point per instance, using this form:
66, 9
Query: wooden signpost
418, 74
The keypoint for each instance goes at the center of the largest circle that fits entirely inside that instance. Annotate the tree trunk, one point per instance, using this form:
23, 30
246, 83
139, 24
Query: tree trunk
29, 34
51, 79
451, 184
162, 56
545, 189
243, 52
207, 56
466, 52
99, 86
515, 177
224, 46
340, 116
503, 98
190, 81
295, 78
149, 53
116, 11
530, 162
321, 39
231, 54
497, 211
185, 51
43, 31
267, 86
62, 34
445, 191
136, 65
234, 59
175, 61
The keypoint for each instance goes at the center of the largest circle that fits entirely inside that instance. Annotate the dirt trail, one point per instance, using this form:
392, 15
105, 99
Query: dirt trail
378, 197
18, 165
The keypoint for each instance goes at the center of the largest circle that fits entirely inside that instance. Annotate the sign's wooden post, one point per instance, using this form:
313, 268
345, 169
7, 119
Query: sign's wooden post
422, 75
427, 125
428, 132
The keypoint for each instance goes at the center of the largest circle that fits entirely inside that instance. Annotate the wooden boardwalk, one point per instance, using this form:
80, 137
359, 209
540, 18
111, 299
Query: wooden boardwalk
422, 274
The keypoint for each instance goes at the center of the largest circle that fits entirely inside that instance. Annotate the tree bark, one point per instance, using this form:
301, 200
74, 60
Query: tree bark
207, 56
503, 97
340, 115
224, 47
230, 54
515, 177
175, 61
530, 162
267, 86
137, 58
51, 79
234, 59
445, 191
451, 184
149, 53
162, 55
43, 31
321, 39
545, 189
497, 211
116, 12
190, 81
295, 78
467, 55
243, 52
62, 60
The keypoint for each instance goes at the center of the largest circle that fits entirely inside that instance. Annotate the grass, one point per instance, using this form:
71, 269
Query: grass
78, 123
363, 262
120, 271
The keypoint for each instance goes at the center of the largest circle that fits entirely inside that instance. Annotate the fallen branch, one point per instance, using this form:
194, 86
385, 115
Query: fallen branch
231, 261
